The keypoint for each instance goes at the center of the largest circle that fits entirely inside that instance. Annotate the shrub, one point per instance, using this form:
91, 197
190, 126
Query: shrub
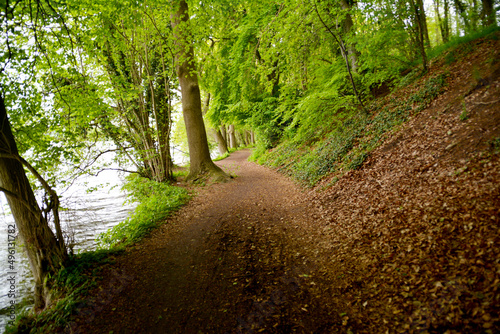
156, 202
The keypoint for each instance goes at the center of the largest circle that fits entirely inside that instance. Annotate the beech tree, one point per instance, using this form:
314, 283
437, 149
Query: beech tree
199, 154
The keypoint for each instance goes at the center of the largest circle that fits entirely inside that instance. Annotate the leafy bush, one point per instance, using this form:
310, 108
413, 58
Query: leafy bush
156, 202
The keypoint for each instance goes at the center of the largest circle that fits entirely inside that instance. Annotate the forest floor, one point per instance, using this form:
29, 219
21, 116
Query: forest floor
408, 243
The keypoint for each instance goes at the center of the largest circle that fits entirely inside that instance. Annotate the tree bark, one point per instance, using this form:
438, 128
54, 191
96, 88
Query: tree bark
343, 50
423, 23
223, 132
46, 254
419, 32
199, 153
347, 25
232, 137
461, 11
221, 142
219, 138
488, 13
443, 22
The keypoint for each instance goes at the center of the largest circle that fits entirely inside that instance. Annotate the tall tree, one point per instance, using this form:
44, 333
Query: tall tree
344, 52
488, 12
199, 153
419, 30
443, 21
46, 253
348, 29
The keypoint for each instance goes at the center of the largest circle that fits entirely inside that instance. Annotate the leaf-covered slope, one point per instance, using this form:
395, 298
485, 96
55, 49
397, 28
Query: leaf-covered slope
411, 237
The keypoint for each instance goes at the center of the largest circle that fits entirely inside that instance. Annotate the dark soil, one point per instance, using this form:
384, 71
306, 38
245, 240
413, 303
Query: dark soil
232, 260
409, 243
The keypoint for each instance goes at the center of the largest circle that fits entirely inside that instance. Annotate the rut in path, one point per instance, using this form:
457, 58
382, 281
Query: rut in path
232, 261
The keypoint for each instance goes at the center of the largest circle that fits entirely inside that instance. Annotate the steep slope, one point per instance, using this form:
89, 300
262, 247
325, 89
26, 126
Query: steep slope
413, 236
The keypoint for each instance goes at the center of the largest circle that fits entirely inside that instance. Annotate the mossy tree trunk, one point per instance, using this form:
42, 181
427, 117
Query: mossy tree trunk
46, 253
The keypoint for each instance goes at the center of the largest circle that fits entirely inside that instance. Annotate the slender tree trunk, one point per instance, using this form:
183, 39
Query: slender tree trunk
247, 138
419, 32
221, 143
223, 132
199, 154
46, 254
219, 139
446, 22
232, 137
252, 137
423, 23
242, 138
460, 9
343, 50
347, 28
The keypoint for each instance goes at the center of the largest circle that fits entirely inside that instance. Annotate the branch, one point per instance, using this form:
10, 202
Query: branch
344, 54
486, 103
117, 169
47, 188
20, 199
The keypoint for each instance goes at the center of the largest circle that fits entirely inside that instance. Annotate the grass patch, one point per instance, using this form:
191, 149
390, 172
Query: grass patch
157, 201
221, 157
456, 42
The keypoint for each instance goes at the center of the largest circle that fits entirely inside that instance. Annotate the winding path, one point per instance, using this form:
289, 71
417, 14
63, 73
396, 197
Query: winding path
234, 260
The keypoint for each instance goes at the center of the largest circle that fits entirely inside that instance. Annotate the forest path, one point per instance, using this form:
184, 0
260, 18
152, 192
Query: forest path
234, 260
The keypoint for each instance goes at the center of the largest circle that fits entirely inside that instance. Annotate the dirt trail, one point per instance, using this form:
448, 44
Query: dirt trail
234, 260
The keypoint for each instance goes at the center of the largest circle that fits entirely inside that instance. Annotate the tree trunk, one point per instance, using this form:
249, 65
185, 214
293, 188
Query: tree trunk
347, 28
488, 13
46, 254
219, 138
223, 132
423, 23
232, 137
343, 50
241, 138
199, 153
461, 11
221, 143
419, 32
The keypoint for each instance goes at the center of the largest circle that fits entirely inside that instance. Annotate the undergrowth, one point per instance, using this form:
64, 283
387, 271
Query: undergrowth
157, 201
71, 284
349, 143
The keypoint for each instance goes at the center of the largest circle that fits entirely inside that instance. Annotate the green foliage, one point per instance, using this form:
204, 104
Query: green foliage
157, 201
221, 157
70, 286
358, 160
348, 142
452, 48
495, 145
